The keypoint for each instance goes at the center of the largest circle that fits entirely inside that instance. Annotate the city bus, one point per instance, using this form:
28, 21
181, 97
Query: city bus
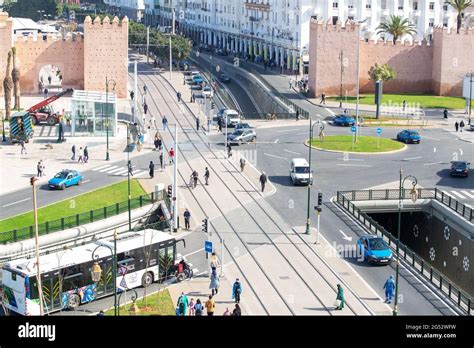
143, 257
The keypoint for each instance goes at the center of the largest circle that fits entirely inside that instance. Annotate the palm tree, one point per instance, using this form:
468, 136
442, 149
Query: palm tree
460, 6
397, 27
16, 81
7, 88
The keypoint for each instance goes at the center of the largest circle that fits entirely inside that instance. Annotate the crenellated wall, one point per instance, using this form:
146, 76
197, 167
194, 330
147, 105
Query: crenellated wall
420, 67
84, 60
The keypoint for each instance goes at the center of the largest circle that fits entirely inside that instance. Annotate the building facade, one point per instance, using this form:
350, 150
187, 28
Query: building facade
133, 9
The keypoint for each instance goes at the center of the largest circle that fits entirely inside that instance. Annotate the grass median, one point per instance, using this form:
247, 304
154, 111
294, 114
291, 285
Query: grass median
343, 143
92, 200
412, 100
159, 303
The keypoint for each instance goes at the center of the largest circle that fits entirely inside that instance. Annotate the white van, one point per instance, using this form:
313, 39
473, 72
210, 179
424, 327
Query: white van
300, 172
232, 117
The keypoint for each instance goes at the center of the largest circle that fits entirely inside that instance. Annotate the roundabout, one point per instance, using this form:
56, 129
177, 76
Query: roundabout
364, 144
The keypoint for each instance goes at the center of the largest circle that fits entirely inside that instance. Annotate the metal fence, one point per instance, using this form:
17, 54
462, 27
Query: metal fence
79, 219
446, 286
269, 116
425, 193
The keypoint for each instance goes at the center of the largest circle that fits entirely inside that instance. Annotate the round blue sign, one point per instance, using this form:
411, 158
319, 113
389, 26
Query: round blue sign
353, 129
379, 130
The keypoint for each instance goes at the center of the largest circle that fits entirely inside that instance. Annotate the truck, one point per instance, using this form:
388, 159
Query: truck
43, 112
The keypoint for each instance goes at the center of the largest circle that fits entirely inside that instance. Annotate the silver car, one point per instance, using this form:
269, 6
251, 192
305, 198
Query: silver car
242, 136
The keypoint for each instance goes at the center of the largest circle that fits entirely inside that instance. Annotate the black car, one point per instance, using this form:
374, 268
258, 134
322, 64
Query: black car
224, 78
460, 168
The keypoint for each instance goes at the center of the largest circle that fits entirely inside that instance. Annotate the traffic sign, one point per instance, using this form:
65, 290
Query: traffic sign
208, 246
353, 129
379, 130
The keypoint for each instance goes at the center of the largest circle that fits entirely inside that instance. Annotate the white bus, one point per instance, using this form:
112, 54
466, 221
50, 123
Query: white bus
143, 257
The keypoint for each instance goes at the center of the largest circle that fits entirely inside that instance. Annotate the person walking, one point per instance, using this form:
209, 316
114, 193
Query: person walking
263, 180
323, 99
237, 312
38, 170
456, 126
210, 306
130, 167
214, 262
151, 167
290, 83
164, 121
50, 79
297, 115
132, 95
198, 121
145, 108
145, 89
461, 125
161, 161
81, 155
206, 176
86, 154
198, 308
182, 304
46, 92
178, 95
195, 176
445, 113
23, 148
171, 155
321, 135
73, 150
236, 291
242, 164
404, 105
187, 218
219, 124
214, 284
340, 298
389, 287
229, 150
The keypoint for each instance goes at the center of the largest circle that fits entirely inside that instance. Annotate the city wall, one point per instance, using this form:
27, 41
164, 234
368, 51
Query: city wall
420, 67
84, 60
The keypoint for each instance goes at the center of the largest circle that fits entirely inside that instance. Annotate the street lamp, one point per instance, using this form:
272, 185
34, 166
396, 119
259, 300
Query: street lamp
38, 272
311, 127
107, 81
96, 270
4, 139
134, 298
401, 194
358, 76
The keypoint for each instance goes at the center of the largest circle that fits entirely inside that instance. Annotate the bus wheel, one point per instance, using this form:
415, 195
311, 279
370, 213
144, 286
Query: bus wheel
73, 302
147, 279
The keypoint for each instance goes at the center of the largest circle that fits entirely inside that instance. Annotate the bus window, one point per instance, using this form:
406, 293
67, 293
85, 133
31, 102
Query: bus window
72, 282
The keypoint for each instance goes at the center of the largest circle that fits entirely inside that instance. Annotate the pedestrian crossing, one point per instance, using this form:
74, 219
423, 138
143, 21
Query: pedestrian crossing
461, 195
119, 170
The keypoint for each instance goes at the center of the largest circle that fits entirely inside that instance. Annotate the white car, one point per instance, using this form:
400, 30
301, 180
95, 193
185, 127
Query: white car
207, 92
232, 117
300, 172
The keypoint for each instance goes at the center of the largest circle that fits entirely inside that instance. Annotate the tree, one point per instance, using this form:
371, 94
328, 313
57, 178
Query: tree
460, 6
397, 27
30, 8
382, 73
16, 81
7, 88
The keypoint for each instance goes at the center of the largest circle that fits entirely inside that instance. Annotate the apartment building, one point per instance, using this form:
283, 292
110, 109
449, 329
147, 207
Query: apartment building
133, 9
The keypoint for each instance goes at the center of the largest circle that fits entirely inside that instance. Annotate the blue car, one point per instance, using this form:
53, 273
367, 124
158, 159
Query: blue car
374, 249
197, 79
409, 136
65, 178
343, 120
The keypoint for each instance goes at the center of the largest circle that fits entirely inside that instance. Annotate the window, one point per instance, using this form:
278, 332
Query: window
368, 6
13, 276
445, 7
400, 4
383, 4
431, 23
445, 23
334, 20
415, 5
432, 4
335, 5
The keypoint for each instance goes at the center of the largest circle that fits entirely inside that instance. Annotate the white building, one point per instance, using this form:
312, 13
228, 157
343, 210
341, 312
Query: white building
134, 9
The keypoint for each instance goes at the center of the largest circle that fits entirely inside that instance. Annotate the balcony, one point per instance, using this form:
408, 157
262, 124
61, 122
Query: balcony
258, 7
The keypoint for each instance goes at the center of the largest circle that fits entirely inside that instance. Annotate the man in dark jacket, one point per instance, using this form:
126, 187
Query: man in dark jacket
263, 180
152, 169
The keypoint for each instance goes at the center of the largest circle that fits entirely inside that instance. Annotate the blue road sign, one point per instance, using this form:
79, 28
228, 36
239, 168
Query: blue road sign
208, 246
379, 130
353, 129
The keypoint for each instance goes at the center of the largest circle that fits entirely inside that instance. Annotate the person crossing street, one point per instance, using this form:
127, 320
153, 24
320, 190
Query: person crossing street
263, 180
187, 218
340, 298
152, 169
73, 150
389, 287
178, 96
206, 176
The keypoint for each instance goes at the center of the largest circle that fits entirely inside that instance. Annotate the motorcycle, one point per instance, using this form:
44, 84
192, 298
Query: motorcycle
183, 271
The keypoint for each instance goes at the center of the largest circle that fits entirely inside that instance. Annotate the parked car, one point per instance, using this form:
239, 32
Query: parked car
460, 168
65, 178
224, 78
374, 249
409, 136
242, 136
243, 126
343, 120
232, 117
182, 64
207, 91
197, 79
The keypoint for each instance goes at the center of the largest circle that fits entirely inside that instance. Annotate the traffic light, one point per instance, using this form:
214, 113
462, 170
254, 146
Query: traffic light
170, 191
205, 225
320, 199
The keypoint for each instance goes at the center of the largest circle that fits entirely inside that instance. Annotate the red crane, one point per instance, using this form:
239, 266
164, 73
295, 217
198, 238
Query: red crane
42, 112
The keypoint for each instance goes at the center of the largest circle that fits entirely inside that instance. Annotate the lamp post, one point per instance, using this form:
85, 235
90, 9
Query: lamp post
129, 170
96, 270
401, 194
470, 96
107, 81
311, 127
4, 139
341, 58
38, 272
358, 76
134, 298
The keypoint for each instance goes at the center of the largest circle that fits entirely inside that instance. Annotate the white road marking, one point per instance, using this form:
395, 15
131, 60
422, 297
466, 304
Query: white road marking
288, 130
107, 169
122, 171
99, 168
351, 159
116, 170
194, 252
23, 200
434, 149
431, 163
409, 159
448, 194
276, 141
295, 153
345, 236
136, 174
304, 133
468, 194
267, 154
354, 165
424, 136
85, 181
457, 194
460, 150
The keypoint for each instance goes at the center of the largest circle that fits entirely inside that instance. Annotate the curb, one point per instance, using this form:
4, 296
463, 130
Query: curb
358, 153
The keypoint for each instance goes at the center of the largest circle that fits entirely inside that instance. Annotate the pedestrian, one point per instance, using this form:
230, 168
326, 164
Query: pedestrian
152, 169
210, 306
263, 180
456, 125
45, 93
49, 79
297, 115
182, 304
461, 125
164, 121
162, 162
404, 105
214, 262
340, 298
38, 169
73, 150
290, 83
81, 155
195, 176
130, 168
198, 308
227, 313
101, 314
156, 143
237, 311
219, 124
193, 98
242, 164
321, 135
171, 155
445, 113
178, 95
323, 99
229, 150
86, 154
187, 218
191, 307
145, 108
197, 123
145, 89
236, 290
389, 287
23, 148
132, 95
214, 284
206, 176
